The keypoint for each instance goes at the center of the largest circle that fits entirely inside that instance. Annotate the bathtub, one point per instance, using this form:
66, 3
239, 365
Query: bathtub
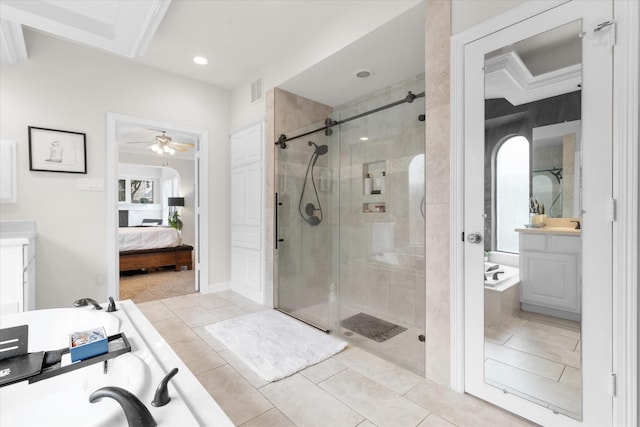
510, 276
501, 296
64, 400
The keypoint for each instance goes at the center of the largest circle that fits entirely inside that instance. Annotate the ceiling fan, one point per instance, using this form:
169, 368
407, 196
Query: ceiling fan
164, 144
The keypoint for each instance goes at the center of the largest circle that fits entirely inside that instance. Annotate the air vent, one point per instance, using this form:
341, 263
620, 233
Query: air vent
256, 91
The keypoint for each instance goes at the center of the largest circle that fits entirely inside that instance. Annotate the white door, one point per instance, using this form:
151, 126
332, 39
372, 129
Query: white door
509, 349
246, 213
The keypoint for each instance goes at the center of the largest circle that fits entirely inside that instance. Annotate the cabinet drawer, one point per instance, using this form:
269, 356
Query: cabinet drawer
532, 242
566, 244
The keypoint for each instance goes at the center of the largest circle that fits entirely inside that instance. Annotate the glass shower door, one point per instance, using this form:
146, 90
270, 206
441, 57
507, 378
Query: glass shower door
304, 230
381, 250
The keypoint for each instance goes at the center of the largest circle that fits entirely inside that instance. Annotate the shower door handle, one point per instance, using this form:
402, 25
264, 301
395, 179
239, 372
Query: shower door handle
277, 239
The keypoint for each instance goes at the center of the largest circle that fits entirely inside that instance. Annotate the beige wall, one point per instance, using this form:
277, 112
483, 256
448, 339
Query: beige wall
437, 247
69, 87
286, 113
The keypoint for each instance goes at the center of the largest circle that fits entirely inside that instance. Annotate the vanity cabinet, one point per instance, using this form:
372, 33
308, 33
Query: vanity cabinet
550, 266
17, 267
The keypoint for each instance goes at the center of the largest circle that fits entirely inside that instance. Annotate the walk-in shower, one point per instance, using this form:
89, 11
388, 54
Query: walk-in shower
349, 235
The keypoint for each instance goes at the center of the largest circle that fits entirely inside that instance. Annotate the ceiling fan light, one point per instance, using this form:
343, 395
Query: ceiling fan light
166, 149
171, 151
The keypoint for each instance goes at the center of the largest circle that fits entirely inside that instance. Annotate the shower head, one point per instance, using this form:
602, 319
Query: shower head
320, 149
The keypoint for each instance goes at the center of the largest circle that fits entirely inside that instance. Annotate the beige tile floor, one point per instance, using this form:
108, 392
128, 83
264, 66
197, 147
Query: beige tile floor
353, 388
538, 358
404, 349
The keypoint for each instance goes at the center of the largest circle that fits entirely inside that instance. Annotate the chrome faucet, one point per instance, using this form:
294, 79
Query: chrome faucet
137, 414
82, 302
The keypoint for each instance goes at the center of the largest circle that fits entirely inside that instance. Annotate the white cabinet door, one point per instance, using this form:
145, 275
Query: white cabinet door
550, 280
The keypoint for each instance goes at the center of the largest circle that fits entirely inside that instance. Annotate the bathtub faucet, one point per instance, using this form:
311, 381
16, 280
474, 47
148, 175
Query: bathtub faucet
82, 302
137, 414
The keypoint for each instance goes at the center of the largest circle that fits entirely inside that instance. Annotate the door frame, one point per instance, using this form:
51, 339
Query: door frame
201, 199
625, 254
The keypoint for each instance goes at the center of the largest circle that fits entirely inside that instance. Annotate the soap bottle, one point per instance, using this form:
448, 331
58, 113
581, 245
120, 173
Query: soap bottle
376, 185
383, 184
367, 185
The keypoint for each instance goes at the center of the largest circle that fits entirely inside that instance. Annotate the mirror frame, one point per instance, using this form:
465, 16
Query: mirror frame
626, 256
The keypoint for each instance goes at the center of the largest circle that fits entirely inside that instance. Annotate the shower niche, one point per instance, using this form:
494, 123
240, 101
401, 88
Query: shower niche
374, 187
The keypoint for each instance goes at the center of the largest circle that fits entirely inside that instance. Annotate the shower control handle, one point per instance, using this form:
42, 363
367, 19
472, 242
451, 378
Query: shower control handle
474, 238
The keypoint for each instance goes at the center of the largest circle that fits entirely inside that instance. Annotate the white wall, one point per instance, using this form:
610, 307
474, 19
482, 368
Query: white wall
70, 87
342, 30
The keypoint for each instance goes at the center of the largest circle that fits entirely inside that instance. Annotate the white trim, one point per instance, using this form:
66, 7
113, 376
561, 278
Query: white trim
457, 214
12, 45
219, 287
626, 69
111, 174
506, 76
626, 193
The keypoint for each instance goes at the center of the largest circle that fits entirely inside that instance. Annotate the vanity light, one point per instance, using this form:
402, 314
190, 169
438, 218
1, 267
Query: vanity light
200, 60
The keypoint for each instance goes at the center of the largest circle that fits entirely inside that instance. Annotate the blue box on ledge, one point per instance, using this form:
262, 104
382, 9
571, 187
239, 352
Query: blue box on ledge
86, 344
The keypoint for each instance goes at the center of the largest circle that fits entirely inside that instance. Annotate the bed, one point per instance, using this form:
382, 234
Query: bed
143, 248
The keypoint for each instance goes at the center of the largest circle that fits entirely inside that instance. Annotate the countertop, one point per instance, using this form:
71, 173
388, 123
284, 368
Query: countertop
564, 231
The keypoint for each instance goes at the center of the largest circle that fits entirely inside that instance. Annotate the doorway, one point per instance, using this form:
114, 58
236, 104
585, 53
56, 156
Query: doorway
200, 198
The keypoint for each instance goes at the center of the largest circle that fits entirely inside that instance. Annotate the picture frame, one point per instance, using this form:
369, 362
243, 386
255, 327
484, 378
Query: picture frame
52, 150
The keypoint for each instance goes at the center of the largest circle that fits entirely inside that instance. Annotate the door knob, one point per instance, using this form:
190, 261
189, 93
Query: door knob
474, 238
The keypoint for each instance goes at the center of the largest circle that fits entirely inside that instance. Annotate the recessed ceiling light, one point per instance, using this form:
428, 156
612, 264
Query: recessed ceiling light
200, 60
364, 138
362, 74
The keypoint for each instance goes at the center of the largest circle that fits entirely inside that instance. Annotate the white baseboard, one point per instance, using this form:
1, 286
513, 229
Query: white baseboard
241, 289
216, 287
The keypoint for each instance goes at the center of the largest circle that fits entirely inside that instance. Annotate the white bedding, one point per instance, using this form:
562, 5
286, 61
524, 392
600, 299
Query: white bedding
135, 238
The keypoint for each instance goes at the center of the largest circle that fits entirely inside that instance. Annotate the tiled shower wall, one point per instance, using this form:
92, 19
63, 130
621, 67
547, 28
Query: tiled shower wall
381, 264
437, 152
437, 77
287, 114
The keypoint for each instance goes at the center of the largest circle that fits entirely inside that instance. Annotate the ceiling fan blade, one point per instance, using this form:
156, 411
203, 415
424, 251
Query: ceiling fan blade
185, 144
140, 142
182, 150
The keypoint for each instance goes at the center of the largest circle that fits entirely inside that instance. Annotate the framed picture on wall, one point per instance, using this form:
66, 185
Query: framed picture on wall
52, 150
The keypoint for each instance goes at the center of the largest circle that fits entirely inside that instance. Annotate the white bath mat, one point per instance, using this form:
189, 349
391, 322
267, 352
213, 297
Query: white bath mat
273, 344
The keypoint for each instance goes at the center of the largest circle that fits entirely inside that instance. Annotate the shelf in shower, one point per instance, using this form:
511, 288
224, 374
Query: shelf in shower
374, 207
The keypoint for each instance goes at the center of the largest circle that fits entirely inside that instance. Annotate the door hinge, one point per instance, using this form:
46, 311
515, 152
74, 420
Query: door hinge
611, 210
612, 384
611, 26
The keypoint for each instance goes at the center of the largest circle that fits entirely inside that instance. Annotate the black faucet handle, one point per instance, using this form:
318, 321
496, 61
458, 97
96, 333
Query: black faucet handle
577, 227
112, 306
82, 302
162, 397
